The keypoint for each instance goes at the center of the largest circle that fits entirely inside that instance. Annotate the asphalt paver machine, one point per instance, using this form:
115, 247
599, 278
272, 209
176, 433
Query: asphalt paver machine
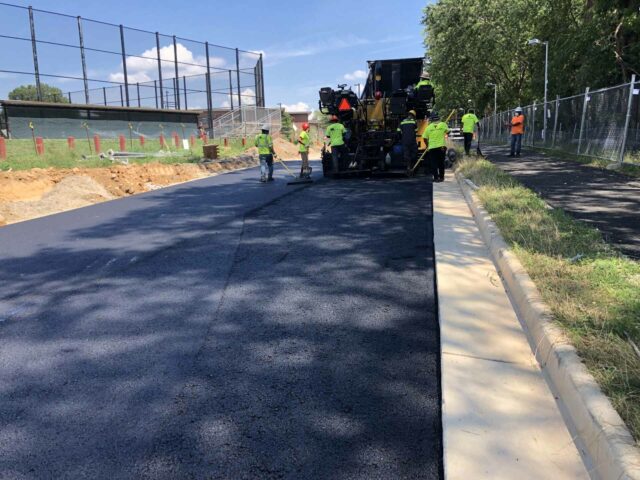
372, 119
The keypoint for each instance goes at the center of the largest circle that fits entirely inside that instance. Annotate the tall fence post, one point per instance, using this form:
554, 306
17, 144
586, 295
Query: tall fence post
155, 91
138, 92
176, 91
184, 84
238, 79
533, 124
124, 65
231, 89
261, 82
104, 95
34, 48
555, 122
84, 62
159, 71
627, 119
584, 115
209, 99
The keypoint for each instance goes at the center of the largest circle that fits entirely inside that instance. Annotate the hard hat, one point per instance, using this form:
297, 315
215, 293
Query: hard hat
518, 109
413, 112
305, 126
425, 75
334, 118
434, 116
266, 127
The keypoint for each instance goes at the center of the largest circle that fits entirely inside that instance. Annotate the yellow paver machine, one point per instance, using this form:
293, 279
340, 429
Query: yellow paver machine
371, 120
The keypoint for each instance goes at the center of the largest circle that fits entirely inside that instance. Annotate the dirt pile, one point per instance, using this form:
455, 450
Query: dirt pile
38, 192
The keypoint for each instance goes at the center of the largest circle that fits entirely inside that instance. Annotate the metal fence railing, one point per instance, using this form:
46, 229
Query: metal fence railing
603, 123
99, 63
246, 122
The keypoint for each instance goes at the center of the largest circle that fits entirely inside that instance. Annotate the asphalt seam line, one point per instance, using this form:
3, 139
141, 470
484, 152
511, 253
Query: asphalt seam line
608, 442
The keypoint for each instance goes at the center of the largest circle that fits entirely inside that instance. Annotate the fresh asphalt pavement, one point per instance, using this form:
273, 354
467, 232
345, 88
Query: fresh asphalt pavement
224, 329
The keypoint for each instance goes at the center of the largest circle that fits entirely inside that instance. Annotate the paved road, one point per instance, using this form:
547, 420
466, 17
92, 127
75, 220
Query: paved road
604, 199
219, 329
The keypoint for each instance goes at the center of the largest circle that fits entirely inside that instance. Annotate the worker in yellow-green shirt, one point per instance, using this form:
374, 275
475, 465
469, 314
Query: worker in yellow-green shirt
264, 143
435, 137
335, 133
303, 148
469, 122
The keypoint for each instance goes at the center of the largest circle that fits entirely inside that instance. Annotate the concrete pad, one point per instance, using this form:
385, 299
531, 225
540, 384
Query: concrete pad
500, 420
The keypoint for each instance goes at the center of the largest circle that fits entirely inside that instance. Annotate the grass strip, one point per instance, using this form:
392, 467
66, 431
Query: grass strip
592, 290
21, 153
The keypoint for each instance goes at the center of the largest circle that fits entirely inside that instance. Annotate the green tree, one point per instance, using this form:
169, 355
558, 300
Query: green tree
593, 43
30, 93
321, 118
286, 129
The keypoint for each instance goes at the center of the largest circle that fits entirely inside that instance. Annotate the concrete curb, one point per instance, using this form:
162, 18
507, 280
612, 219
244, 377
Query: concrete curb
610, 446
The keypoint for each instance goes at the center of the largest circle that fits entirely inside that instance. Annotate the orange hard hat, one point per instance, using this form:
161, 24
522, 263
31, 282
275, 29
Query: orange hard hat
334, 118
305, 126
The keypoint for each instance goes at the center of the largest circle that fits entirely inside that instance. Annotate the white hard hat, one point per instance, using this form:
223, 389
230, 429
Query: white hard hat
425, 75
518, 109
266, 127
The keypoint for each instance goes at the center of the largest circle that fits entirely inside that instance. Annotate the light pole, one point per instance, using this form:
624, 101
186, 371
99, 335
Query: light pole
535, 41
495, 105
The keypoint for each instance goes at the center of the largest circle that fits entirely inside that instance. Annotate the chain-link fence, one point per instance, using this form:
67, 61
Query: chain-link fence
98, 63
604, 124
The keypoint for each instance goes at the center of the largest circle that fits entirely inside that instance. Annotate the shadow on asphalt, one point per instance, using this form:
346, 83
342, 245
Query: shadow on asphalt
300, 341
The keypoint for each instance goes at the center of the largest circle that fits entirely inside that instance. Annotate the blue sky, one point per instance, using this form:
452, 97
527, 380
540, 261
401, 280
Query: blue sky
306, 45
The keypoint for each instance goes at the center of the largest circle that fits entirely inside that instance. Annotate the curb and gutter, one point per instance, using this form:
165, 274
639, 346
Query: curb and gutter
609, 445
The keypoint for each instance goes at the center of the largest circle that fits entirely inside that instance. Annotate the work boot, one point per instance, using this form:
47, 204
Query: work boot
270, 179
263, 179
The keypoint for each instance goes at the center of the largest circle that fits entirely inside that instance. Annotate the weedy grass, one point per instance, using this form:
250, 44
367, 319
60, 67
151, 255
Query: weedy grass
592, 290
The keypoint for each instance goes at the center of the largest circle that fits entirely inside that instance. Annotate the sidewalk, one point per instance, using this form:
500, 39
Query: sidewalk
604, 199
500, 420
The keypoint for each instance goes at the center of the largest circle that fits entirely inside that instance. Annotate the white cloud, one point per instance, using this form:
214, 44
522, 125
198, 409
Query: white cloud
297, 107
145, 69
357, 75
248, 98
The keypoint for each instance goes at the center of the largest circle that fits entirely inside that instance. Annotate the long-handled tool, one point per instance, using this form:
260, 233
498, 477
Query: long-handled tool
426, 150
297, 180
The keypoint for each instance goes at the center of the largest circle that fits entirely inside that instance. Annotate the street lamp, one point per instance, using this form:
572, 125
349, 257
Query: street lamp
495, 105
535, 41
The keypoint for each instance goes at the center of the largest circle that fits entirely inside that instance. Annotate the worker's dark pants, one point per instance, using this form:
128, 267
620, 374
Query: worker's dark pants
468, 138
410, 154
337, 153
436, 162
516, 143
266, 165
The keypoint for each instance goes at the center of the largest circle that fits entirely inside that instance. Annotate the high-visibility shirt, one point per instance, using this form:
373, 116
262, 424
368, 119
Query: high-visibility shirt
303, 142
422, 83
469, 122
435, 134
517, 125
264, 142
408, 128
335, 132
